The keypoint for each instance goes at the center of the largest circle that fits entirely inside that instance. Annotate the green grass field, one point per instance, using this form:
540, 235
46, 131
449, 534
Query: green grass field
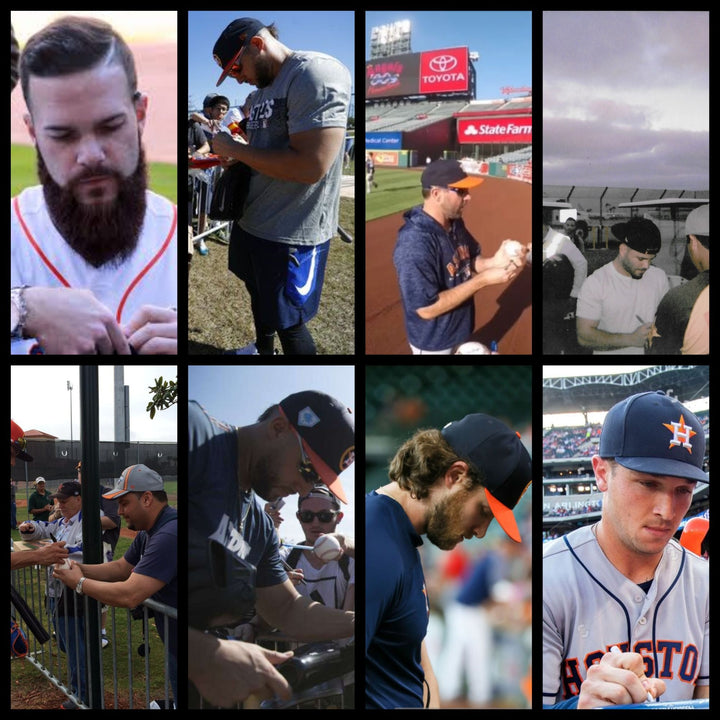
396, 191
162, 176
219, 316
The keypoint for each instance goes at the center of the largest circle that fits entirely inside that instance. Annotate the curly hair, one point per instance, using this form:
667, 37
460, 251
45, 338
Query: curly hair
424, 458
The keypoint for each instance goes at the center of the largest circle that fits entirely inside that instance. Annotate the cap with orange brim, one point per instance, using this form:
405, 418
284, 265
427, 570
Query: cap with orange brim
327, 431
499, 455
448, 173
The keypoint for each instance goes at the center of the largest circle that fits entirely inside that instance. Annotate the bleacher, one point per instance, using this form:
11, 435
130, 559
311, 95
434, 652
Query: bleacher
407, 115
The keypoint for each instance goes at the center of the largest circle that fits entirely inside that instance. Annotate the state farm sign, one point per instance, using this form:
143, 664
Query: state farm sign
444, 71
495, 130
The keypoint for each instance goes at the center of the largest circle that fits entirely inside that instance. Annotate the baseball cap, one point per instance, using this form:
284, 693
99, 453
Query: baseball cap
136, 478
698, 221
17, 440
39, 480
232, 40
498, 453
639, 234
447, 173
71, 488
327, 430
654, 433
320, 491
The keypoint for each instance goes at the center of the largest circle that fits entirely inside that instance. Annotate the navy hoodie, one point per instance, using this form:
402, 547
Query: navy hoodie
428, 260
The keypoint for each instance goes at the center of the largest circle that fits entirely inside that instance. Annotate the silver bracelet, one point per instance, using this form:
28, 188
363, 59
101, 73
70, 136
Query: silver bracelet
17, 296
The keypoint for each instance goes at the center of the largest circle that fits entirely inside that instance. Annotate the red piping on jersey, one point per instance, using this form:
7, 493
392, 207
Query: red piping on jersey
59, 276
36, 247
146, 269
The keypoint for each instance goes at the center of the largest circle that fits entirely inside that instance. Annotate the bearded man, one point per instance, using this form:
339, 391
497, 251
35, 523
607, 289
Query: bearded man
93, 251
447, 484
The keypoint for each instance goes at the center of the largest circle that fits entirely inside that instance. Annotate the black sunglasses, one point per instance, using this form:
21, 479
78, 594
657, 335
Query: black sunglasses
324, 516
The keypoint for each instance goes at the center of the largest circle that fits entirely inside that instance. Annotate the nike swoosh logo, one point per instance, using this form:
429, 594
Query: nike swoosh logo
305, 289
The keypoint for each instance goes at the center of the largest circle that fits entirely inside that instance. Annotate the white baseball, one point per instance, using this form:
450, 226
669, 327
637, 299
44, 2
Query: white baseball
513, 247
472, 348
327, 548
64, 565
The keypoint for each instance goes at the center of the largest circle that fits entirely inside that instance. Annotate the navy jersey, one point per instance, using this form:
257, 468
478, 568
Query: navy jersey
396, 607
429, 260
217, 508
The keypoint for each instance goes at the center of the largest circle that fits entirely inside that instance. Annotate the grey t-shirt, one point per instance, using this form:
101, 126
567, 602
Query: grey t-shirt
312, 90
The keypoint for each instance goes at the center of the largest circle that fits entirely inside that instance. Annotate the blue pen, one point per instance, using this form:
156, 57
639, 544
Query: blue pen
493, 346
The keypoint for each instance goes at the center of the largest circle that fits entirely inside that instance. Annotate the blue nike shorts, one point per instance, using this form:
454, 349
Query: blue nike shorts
284, 281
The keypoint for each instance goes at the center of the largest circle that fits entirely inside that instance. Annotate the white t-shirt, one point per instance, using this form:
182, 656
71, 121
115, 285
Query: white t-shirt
40, 256
555, 243
621, 303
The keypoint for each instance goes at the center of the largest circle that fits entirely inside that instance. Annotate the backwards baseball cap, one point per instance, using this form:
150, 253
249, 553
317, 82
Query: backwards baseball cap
447, 173
71, 488
496, 452
136, 478
321, 492
698, 221
327, 431
639, 234
653, 433
232, 40
17, 441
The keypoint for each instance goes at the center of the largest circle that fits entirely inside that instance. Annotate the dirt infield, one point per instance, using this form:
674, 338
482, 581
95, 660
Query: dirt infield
498, 209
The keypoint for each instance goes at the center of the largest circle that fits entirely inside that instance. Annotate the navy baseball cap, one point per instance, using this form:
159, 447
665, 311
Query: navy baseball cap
71, 488
327, 432
447, 173
639, 234
499, 455
231, 42
653, 433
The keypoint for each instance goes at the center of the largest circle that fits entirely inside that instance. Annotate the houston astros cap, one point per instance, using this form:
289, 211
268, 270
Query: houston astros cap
639, 234
136, 478
17, 442
498, 453
653, 433
327, 431
231, 42
698, 221
71, 488
447, 173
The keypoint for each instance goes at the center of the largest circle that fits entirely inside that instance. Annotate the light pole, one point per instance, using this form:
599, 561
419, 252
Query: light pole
70, 388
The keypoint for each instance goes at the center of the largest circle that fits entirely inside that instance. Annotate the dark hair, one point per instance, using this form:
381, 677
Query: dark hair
159, 495
218, 100
73, 44
424, 458
704, 240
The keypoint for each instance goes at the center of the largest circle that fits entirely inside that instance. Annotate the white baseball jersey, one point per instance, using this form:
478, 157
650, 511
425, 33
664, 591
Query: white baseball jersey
40, 256
589, 606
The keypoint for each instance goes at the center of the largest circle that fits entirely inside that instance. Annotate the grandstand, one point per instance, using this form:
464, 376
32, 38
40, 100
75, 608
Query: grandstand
423, 105
570, 496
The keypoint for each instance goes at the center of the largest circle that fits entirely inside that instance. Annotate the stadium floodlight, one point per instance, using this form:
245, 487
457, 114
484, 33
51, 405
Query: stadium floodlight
390, 39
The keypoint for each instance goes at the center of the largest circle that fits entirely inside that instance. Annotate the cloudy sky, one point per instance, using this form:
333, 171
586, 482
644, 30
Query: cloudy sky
626, 99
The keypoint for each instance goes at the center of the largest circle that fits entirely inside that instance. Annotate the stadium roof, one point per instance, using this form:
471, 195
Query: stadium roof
599, 392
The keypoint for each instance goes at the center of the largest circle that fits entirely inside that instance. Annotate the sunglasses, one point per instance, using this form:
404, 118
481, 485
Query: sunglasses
460, 192
309, 473
236, 67
324, 516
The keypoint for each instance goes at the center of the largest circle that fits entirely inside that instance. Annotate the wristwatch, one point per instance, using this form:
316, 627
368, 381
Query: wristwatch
78, 587
18, 317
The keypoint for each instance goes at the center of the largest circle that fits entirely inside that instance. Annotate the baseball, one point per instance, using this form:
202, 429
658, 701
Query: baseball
513, 248
472, 348
327, 548
64, 565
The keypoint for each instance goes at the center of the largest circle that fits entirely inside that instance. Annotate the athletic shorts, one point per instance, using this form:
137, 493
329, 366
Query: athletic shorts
284, 281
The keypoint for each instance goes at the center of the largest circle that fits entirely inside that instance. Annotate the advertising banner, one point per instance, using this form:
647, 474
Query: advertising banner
495, 130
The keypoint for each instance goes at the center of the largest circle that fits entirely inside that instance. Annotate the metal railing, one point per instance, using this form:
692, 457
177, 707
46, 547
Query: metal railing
73, 659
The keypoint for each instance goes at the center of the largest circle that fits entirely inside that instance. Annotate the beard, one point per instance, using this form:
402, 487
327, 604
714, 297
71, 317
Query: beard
264, 478
105, 232
442, 520
263, 73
